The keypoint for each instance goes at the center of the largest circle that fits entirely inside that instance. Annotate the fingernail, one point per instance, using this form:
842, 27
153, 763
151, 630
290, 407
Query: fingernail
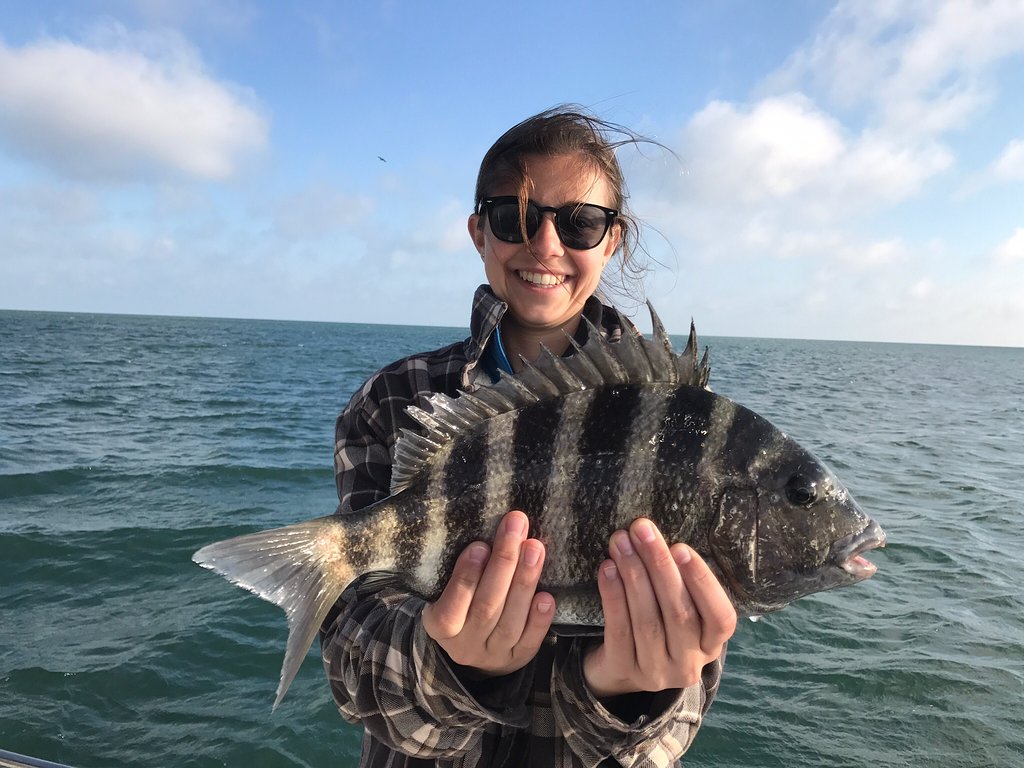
515, 525
623, 544
477, 554
644, 531
531, 555
544, 606
610, 571
683, 555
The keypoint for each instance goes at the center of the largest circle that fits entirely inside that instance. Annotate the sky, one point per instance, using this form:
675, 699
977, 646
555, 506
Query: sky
849, 170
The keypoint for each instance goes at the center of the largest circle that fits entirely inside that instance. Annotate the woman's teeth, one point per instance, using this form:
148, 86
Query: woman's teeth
541, 278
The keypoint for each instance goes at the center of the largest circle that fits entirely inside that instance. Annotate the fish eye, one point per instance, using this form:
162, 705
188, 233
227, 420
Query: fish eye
801, 490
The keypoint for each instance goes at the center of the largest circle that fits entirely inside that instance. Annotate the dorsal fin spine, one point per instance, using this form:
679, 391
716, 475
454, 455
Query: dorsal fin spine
584, 367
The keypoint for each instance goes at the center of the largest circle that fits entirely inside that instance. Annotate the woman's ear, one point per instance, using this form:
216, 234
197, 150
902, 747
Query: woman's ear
476, 232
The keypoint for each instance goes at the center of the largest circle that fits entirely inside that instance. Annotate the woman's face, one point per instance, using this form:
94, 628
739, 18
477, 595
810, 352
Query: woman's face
544, 283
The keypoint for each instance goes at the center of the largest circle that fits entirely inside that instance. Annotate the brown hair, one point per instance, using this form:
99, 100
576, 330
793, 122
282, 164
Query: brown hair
568, 129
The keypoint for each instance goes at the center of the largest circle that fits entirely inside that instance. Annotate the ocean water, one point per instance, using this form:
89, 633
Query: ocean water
128, 442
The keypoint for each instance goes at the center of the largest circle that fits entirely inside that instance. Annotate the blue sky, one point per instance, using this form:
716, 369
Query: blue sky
841, 171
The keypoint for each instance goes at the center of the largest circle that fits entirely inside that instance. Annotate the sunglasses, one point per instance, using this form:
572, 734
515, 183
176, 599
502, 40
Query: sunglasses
580, 226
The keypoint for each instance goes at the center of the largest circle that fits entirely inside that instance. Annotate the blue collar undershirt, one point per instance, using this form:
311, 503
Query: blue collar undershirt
494, 358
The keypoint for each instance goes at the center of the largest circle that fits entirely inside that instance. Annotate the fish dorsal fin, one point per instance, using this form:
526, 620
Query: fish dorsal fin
632, 359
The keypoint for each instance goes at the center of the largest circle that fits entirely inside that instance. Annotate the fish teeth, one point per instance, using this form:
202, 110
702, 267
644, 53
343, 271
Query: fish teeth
541, 278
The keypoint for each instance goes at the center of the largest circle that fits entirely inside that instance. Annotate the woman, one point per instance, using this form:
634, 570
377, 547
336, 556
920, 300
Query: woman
475, 678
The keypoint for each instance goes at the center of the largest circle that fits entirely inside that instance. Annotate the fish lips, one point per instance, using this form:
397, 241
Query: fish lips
847, 552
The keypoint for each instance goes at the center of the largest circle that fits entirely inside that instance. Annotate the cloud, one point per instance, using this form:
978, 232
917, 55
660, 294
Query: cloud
851, 127
808, 200
136, 107
319, 210
922, 67
1011, 251
782, 177
772, 151
922, 289
1010, 164
786, 148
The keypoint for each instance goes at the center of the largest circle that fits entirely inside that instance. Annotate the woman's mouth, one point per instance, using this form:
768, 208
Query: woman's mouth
544, 279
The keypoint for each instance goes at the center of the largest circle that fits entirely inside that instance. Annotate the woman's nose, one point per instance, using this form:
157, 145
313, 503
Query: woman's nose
545, 241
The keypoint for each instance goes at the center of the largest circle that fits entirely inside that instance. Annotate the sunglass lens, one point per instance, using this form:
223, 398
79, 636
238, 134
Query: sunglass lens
582, 226
504, 218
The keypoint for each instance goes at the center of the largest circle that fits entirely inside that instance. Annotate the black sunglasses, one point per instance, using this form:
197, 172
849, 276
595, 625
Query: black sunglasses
581, 226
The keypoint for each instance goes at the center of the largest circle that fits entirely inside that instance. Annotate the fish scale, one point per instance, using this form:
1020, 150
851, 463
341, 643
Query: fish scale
584, 444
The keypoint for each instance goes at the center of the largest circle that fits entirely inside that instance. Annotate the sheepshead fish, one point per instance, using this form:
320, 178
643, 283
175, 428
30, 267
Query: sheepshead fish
584, 445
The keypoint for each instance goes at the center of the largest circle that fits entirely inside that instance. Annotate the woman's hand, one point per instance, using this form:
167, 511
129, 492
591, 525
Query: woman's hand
490, 616
665, 613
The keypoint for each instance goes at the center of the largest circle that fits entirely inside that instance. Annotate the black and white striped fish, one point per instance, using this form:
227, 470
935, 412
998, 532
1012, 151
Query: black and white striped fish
584, 445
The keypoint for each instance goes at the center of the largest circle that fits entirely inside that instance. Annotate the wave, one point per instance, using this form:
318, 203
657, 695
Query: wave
72, 479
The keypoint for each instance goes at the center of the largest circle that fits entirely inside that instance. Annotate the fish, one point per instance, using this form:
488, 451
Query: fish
584, 444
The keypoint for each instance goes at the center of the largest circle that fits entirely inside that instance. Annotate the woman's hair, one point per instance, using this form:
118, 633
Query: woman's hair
563, 130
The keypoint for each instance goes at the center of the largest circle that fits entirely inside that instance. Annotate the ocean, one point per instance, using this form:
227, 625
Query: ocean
128, 442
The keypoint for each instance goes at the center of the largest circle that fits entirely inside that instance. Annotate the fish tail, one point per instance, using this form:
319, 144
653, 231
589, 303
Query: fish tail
302, 568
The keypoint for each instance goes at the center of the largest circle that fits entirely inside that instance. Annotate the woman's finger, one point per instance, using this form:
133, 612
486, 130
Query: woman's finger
608, 667
509, 629
644, 614
679, 617
718, 616
489, 598
618, 629
538, 622
446, 617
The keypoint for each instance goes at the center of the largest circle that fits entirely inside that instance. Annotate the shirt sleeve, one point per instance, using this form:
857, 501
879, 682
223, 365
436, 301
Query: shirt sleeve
386, 674
662, 729
362, 456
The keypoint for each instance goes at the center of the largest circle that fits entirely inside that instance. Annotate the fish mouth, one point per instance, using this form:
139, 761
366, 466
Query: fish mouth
847, 551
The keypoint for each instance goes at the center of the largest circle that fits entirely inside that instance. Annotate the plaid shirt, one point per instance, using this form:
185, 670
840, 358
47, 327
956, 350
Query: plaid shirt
419, 708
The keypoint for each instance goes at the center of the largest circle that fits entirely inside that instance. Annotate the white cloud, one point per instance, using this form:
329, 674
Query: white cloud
923, 67
854, 126
1011, 251
1010, 164
137, 107
786, 149
877, 255
320, 210
799, 198
922, 289
884, 169
774, 150
784, 179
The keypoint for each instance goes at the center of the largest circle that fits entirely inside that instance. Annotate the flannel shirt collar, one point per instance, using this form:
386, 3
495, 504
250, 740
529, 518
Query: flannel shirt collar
488, 310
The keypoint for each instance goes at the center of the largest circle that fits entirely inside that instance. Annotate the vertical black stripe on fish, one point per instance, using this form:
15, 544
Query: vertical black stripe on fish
498, 485
681, 446
748, 434
465, 477
533, 448
603, 441
636, 486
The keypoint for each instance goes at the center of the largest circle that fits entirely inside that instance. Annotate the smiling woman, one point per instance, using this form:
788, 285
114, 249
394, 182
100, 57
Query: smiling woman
550, 215
475, 676
544, 280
